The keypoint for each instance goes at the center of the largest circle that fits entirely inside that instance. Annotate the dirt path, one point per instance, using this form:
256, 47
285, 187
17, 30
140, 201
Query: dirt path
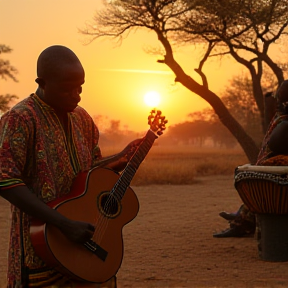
170, 243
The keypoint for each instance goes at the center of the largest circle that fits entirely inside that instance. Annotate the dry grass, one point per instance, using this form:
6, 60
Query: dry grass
181, 165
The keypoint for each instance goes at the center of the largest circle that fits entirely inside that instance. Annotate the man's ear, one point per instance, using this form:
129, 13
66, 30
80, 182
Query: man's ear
40, 82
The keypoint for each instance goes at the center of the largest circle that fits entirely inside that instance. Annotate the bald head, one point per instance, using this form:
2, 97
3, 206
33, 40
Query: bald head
60, 78
53, 59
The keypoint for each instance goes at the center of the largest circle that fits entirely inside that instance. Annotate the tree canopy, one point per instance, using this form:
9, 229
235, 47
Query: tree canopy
242, 29
7, 71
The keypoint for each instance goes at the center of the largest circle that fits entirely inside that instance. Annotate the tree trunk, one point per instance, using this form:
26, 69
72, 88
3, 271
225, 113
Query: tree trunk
246, 142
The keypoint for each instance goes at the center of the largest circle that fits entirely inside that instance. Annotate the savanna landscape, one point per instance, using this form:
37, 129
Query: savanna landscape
231, 54
181, 190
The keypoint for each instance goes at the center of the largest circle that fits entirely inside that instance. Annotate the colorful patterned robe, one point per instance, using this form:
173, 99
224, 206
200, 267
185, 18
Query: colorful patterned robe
34, 151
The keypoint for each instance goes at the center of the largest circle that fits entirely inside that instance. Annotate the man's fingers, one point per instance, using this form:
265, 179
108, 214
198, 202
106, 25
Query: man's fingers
91, 227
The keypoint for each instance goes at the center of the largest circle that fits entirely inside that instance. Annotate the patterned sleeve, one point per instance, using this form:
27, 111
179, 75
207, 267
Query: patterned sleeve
91, 134
96, 152
13, 144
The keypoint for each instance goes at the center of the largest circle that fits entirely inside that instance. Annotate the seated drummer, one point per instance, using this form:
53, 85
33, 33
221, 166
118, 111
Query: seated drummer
274, 152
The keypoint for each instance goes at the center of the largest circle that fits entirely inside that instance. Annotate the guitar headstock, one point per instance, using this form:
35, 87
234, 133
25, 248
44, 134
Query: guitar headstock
157, 122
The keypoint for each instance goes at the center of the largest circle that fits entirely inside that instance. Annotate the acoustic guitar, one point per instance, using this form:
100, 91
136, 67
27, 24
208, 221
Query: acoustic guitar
101, 197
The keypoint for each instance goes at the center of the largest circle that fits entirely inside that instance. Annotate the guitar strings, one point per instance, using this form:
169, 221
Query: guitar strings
102, 223
114, 195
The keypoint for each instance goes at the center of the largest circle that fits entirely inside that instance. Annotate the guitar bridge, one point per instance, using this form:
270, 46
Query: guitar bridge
96, 249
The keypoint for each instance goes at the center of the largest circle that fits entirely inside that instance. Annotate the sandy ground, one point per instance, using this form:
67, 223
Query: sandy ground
170, 243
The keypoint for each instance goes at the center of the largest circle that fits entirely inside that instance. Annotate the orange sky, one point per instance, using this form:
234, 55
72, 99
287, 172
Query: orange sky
116, 77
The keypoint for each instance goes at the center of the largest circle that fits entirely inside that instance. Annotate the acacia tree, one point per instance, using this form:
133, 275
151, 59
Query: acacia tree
245, 30
233, 25
7, 71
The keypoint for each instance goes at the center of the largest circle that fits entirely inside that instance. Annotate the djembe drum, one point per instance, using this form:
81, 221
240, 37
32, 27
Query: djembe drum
264, 190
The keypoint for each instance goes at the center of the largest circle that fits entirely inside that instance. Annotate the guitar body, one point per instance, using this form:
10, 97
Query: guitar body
105, 199
88, 202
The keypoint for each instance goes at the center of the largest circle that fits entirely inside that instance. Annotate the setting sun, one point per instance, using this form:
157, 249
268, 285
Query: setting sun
152, 98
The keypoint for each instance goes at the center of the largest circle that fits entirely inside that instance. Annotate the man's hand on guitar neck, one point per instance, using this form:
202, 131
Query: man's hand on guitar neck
129, 150
126, 154
118, 161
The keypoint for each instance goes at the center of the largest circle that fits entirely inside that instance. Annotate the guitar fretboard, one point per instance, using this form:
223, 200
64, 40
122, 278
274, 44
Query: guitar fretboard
127, 175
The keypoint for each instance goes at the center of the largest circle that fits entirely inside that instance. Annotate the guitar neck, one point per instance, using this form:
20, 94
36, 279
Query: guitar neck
127, 175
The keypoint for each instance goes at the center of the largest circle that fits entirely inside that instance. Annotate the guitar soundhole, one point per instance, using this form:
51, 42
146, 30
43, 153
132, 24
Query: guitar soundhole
109, 205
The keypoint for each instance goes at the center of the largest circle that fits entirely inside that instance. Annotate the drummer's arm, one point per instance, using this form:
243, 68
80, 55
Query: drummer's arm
278, 142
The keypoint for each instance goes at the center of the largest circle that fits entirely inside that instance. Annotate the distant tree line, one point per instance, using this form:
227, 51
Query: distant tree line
111, 133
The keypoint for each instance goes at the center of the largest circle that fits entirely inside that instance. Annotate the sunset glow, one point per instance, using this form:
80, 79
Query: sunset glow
152, 98
117, 77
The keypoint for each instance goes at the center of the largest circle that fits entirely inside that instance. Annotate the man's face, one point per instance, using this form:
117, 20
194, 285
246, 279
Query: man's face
62, 91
